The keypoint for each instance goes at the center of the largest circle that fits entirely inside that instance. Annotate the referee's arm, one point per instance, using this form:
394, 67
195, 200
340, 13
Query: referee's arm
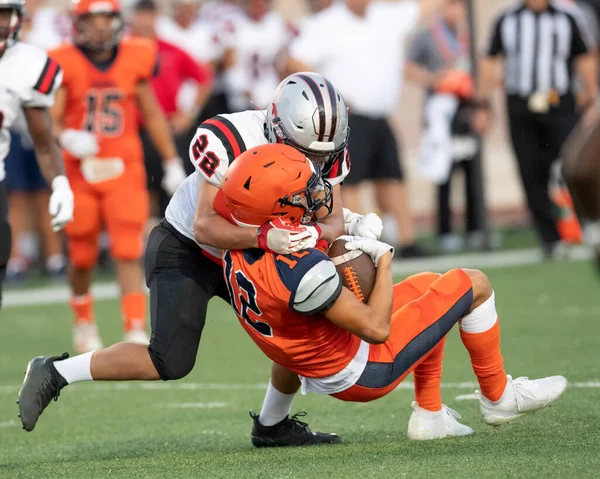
488, 77
584, 52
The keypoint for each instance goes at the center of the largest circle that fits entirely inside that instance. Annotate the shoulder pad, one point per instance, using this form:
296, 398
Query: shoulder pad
38, 74
311, 278
318, 289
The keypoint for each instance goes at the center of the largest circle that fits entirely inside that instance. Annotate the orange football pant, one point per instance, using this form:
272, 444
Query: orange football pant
120, 205
426, 307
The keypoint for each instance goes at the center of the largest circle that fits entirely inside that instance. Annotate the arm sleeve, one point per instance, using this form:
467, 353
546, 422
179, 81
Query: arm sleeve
48, 79
581, 41
417, 51
148, 61
209, 156
494, 47
191, 70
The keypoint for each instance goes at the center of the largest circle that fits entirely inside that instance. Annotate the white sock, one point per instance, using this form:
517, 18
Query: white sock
276, 406
76, 369
482, 318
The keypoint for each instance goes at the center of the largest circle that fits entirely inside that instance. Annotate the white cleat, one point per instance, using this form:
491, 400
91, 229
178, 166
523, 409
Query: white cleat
137, 336
521, 396
86, 338
425, 425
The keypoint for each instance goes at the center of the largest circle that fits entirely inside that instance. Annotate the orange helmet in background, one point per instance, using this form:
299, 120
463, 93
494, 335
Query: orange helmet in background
275, 181
97, 24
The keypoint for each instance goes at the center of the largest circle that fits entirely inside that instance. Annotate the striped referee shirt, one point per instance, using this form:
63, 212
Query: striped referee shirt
539, 47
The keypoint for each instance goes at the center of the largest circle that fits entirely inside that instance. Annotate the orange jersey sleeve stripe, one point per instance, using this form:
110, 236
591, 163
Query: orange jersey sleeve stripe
47, 77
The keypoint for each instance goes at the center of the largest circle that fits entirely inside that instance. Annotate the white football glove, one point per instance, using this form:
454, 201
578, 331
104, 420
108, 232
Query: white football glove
61, 203
280, 236
375, 249
79, 143
174, 174
368, 226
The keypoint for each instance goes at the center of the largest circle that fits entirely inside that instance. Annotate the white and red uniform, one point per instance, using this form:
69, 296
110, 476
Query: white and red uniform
258, 46
28, 78
217, 143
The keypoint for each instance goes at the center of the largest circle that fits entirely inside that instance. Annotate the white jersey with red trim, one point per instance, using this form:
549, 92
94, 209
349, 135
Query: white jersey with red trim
28, 79
215, 145
258, 46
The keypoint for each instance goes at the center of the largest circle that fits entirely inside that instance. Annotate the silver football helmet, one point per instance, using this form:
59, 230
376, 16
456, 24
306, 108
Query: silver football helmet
309, 114
10, 32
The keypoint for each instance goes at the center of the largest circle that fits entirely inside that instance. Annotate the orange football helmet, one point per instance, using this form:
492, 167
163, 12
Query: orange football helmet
97, 24
275, 181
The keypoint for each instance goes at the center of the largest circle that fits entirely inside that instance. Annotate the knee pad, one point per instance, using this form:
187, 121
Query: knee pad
170, 366
127, 244
83, 251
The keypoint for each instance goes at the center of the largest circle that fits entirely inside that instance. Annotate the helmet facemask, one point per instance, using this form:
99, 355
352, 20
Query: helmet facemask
317, 195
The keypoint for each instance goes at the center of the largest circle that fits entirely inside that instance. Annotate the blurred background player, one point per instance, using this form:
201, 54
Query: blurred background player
359, 44
28, 82
44, 26
106, 80
176, 68
438, 61
550, 78
203, 41
259, 43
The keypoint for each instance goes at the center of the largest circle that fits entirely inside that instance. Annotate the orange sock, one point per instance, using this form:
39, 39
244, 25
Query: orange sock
82, 307
486, 359
428, 376
133, 307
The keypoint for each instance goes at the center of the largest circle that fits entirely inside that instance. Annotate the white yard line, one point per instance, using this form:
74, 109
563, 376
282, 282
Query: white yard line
183, 386
195, 405
500, 259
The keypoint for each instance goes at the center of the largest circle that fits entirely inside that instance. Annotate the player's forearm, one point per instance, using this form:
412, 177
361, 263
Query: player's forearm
380, 301
50, 161
215, 231
202, 96
487, 78
332, 227
160, 134
587, 69
418, 75
46, 149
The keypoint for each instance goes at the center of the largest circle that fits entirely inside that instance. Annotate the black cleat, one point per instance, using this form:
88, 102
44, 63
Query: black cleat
42, 384
291, 432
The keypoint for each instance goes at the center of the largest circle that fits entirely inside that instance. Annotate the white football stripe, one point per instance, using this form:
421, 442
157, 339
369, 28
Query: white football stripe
346, 257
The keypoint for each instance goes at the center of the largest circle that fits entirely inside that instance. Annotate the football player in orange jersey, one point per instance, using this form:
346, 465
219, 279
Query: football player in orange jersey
106, 80
296, 310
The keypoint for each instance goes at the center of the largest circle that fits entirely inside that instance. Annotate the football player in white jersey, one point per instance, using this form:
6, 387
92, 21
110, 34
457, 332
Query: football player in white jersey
28, 82
259, 43
183, 268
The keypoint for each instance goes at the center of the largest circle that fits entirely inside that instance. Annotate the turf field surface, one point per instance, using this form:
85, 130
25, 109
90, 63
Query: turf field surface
199, 427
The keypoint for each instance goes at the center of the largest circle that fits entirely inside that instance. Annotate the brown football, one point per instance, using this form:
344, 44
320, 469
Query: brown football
355, 267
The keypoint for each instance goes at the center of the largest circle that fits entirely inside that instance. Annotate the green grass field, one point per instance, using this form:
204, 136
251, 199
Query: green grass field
199, 427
